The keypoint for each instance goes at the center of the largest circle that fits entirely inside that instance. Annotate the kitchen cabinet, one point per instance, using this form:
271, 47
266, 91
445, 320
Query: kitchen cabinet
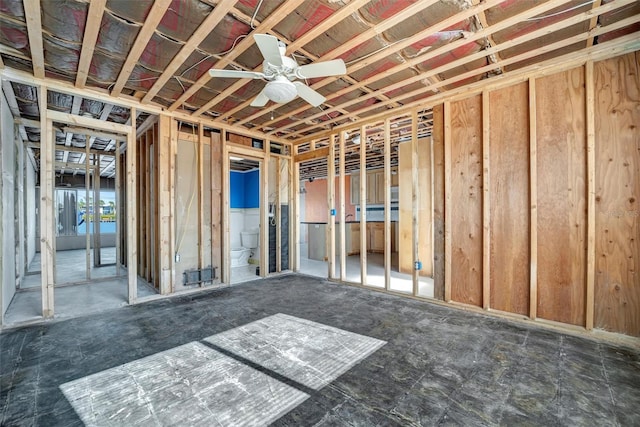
375, 238
354, 189
375, 187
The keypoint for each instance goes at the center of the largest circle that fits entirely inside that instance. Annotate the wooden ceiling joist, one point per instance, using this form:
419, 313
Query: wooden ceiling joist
91, 29
282, 12
32, 15
466, 59
209, 23
397, 47
144, 35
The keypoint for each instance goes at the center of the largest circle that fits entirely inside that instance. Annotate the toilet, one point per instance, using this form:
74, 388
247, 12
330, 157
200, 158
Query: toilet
248, 240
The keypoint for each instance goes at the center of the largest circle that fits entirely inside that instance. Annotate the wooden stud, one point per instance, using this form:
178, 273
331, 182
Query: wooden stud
264, 212
387, 204
132, 226
173, 151
591, 195
312, 154
226, 229
118, 187
415, 193
32, 11
47, 235
91, 29
447, 203
292, 201
87, 175
486, 203
151, 22
296, 216
278, 213
343, 228
533, 197
148, 206
200, 171
363, 205
331, 202
216, 201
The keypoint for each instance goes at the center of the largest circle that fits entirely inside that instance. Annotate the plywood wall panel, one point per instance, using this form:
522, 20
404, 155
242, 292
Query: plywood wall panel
562, 197
466, 195
509, 172
617, 123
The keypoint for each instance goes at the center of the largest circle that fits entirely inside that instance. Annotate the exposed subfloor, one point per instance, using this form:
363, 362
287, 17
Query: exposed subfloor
295, 350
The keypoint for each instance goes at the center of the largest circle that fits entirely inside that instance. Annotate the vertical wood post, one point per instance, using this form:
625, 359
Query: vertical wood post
200, 190
264, 211
87, 185
296, 208
331, 185
363, 205
278, 213
486, 203
118, 206
47, 234
387, 204
591, 195
415, 236
533, 185
132, 271
226, 262
343, 227
447, 203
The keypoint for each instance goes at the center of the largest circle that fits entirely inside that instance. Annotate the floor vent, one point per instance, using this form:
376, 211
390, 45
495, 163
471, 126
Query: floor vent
197, 276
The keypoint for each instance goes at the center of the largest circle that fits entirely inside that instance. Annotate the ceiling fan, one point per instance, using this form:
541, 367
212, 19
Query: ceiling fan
281, 73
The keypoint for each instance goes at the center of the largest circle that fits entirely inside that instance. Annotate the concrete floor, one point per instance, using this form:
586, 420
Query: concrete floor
294, 350
105, 291
400, 282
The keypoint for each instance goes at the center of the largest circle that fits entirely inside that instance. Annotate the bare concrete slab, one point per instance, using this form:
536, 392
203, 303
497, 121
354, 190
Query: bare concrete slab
439, 366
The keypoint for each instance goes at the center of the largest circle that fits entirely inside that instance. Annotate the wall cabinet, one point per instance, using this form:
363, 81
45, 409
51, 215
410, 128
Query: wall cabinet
375, 187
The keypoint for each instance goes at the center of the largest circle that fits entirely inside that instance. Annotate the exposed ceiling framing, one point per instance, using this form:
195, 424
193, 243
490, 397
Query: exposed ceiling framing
399, 54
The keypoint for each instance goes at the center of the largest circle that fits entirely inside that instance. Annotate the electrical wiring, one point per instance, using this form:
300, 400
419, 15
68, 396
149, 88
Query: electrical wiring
537, 18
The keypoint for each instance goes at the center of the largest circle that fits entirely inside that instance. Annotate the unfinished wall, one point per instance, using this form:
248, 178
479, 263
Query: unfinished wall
7, 233
617, 176
523, 246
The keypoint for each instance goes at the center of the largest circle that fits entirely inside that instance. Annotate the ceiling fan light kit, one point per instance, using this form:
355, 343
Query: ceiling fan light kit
282, 72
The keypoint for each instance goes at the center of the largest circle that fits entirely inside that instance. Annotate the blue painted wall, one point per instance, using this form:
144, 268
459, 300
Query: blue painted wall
245, 189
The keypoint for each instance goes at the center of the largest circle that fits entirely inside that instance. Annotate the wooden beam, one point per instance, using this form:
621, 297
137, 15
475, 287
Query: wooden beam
593, 23
89, 122
318, 153
486, 202
264, 213
118, 177
144, 35
278, 213
32, 12
271, 21
448, 202
533, 203
295, 265
591, 195
132, 225
93, 134
210, 22
87, 186
91, 29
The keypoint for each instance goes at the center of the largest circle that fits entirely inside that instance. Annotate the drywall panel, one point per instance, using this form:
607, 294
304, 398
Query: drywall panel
509, 192
617, 163
561, 197
466, 196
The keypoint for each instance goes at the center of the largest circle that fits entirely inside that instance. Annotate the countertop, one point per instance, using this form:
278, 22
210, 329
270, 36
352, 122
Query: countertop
338, 222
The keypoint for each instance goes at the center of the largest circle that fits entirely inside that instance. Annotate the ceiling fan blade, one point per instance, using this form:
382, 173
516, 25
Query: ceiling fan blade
269, 48
309, 95
260, 100
322, 69
235, 74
